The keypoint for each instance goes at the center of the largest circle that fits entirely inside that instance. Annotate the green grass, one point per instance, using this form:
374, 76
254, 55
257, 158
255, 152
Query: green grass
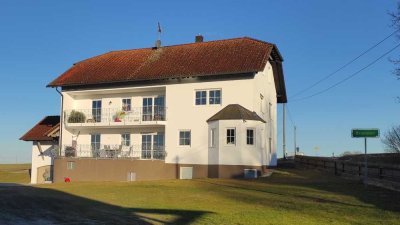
14, 173
287, 197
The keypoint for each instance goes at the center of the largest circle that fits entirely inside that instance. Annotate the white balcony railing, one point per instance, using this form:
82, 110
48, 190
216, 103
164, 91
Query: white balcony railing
113, 151
115, 116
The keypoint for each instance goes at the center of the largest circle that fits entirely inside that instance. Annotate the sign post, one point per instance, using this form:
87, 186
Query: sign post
365, 133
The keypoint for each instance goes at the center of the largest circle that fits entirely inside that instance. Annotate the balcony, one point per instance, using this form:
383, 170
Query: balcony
115, 117
114, 152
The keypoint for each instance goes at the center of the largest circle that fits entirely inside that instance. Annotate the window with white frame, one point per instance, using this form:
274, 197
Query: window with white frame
184, 138
95, 141
126, 104
70, 165
126, 139
230, 136
214, 97
250, 136
201, 97
212, 137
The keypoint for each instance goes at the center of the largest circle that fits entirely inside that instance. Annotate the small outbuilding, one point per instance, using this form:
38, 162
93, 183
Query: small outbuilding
44, 136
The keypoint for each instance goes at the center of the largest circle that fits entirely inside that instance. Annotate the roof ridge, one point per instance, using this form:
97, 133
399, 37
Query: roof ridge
195, 43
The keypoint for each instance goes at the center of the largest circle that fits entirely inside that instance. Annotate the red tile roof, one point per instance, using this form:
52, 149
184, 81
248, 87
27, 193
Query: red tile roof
41, 130
230, 56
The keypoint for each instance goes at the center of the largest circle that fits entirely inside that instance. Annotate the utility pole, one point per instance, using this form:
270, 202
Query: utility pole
366, 163
284, 131
295, 144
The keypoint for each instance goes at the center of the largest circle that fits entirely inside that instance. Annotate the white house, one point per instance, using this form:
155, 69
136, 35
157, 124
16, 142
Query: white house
44, 136
203, 109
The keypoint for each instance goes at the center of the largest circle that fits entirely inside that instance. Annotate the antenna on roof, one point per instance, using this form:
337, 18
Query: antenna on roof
158, 42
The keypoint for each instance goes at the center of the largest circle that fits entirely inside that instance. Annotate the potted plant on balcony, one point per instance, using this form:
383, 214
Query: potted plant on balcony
76, 117
119, 116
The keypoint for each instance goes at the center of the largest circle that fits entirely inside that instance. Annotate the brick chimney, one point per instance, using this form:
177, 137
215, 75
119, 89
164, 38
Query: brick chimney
199, 38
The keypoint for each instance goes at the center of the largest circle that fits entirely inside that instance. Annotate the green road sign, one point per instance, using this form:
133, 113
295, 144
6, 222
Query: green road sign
365, 133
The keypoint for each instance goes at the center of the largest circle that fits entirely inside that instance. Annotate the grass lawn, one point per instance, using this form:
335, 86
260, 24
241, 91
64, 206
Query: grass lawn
287, 197
14, 173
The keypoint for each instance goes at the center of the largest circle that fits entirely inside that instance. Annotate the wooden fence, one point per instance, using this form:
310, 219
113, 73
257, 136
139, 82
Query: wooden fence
379, 171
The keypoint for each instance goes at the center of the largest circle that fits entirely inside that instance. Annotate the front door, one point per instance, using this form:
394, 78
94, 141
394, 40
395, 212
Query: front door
147, 112
159, 108
146, 146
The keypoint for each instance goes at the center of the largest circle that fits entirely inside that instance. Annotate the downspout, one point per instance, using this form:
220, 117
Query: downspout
61, 121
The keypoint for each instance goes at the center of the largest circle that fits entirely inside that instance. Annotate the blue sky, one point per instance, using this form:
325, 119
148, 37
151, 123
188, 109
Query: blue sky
41, 39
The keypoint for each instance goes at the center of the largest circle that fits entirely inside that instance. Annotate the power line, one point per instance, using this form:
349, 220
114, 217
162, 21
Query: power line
290, 116
344, 66
348, 77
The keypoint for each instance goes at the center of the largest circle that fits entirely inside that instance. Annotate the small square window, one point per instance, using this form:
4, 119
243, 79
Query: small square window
230, 136
250, 136
70, 165
215, 97
184, 138
201, 97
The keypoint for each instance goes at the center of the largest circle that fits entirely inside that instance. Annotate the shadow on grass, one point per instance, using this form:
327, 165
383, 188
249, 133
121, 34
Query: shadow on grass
369, 197
31, 205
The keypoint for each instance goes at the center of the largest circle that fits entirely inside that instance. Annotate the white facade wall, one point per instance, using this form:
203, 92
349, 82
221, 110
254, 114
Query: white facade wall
255, 94
266, 108
241, 153
183, 114
39, 160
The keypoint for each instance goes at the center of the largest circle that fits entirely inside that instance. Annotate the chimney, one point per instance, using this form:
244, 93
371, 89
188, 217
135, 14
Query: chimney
199, 38
158, 44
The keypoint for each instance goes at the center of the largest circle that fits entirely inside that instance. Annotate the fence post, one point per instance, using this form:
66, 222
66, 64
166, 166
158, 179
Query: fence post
342, 167
359, 170
380, 173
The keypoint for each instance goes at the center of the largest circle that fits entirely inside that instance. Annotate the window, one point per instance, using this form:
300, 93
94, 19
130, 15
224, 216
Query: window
147, 114
270, 111
159, 108
250, 136
126, 139
212, 137
270, 145
158, 141
184, 137
230, 136
146, 146
126, 104
261, 103
201, 97
96, 110
95, 141
215, 97
70, 165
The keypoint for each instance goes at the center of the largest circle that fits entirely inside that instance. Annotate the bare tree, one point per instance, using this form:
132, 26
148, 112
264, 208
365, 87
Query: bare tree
396, 25
392, 139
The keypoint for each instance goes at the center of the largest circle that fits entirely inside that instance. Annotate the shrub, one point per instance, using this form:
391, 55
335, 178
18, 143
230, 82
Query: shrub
76, 117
